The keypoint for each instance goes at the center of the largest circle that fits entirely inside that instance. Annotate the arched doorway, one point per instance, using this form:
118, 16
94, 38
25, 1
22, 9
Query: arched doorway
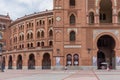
69, 60
105, 11
46, 62
10, 62
106, 53
76, 60
19, 62
31, 61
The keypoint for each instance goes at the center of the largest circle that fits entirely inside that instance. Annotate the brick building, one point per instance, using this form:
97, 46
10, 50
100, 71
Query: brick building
81, 34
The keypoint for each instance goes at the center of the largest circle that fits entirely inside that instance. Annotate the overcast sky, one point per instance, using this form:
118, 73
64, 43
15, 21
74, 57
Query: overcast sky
19, 8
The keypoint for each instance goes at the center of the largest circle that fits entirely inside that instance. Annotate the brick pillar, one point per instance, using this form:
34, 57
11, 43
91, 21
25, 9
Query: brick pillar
14, 61
25, 61
6, 62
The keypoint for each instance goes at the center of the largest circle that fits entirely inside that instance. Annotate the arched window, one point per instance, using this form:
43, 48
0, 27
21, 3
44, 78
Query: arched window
40, 22
28, 36
76, 60
42, 34
38, 34
72, 19
50, 33
50, 43
31, 44
38, 44
28, 45
72, 2
22, 45
91, 17
22, 37
31, 36
37, 23
72, 36
42, 44
106, 11
119, 17
69, 60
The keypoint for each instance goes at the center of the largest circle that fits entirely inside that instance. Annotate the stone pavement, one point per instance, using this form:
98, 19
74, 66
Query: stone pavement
60, 75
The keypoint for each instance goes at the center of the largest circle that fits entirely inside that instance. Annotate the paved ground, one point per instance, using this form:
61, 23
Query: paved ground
60, 75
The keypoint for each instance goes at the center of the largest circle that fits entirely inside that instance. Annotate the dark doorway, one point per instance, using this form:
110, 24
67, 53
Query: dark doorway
46, 62
106, 53
10, 62
101, 59
31, 61
19, 62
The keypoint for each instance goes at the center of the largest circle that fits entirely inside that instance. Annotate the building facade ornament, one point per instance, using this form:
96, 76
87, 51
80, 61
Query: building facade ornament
99, 31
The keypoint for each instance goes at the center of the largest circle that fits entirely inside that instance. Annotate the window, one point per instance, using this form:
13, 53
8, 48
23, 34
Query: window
40, 22
72, 36
22, 37
28, 45
52, 20
22, 45
42, 43
31, 36
49, 22
91, 17
72, 19
119, 17
43, 22
102, 16
28, 36
50, 33
50, 43
42, 34
31, 44
72, 2
38, 34
37, 23
38, 44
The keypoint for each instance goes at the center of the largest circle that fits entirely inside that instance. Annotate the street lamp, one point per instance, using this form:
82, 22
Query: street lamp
89, 49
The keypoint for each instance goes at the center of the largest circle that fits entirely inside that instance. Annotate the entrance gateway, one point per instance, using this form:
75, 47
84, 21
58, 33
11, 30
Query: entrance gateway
106, 53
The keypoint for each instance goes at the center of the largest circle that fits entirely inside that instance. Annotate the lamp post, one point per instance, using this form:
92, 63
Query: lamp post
89, 49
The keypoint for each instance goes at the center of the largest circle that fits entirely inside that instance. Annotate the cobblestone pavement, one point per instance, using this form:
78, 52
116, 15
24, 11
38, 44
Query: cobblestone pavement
60, 75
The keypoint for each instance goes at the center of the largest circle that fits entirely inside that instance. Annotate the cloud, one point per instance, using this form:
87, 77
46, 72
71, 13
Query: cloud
19, 8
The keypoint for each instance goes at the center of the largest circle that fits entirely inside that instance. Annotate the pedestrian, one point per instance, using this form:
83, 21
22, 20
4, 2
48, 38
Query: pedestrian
65, 67
2, 67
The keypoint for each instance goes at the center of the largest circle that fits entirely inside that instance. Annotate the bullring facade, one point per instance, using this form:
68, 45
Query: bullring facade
81, 34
